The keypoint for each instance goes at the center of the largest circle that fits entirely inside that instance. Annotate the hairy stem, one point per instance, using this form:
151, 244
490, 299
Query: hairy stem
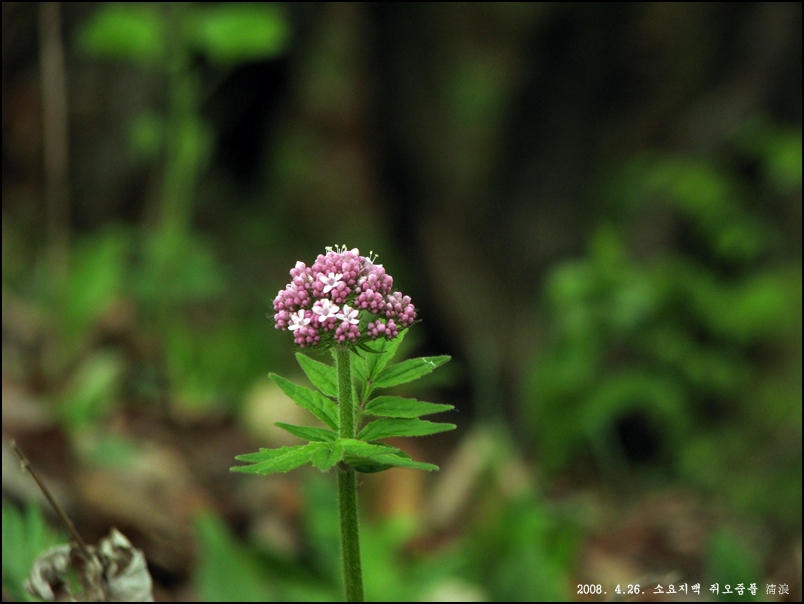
347, 486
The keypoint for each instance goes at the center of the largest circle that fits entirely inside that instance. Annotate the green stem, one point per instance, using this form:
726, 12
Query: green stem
347, 486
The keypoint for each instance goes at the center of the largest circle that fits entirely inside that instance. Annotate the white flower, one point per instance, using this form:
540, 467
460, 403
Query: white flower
298, 320
329, 281
325, 309
349, 315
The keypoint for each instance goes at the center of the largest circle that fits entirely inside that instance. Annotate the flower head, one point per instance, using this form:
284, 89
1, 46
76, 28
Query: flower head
342, 298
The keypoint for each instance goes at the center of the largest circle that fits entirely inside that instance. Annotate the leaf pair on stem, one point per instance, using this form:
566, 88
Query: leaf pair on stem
396, 416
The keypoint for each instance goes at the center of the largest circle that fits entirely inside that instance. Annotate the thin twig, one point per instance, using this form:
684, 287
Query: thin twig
55, 136
26, 465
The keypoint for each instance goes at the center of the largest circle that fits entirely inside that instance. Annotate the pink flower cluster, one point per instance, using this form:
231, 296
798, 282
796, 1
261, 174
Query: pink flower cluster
342, 298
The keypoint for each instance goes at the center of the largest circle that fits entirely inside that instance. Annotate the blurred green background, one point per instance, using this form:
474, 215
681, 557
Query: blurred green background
595, 207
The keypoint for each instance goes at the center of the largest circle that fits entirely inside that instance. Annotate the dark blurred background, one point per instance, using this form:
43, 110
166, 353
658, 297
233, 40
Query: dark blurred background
595, 207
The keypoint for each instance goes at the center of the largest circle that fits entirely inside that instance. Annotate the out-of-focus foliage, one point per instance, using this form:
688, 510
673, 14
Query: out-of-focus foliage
730, 561
228, 33
25, 536
234, 32
697, 351
226, 570
524, 552
92, 391
162, 282
515, 547
169, 270
126, 31
97, 279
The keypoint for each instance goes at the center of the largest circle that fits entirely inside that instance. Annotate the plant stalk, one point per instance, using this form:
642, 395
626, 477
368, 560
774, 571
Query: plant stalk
347, 486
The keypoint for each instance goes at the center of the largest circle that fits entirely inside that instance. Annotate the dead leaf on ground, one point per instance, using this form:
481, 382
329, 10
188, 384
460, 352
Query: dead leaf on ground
115, 572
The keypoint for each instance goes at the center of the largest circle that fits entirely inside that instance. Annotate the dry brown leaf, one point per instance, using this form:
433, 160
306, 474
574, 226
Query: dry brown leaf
115, 572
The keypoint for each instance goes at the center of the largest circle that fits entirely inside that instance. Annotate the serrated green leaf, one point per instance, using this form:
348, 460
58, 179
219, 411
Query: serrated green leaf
407, 371
375, 363
309, 432
368, 349
361, 448
383, 428
324, 459
366, 465
400, 462
280, 460
359, 455
316, 403
397, 406
370, 458
359, 367
262, 455
322, 376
